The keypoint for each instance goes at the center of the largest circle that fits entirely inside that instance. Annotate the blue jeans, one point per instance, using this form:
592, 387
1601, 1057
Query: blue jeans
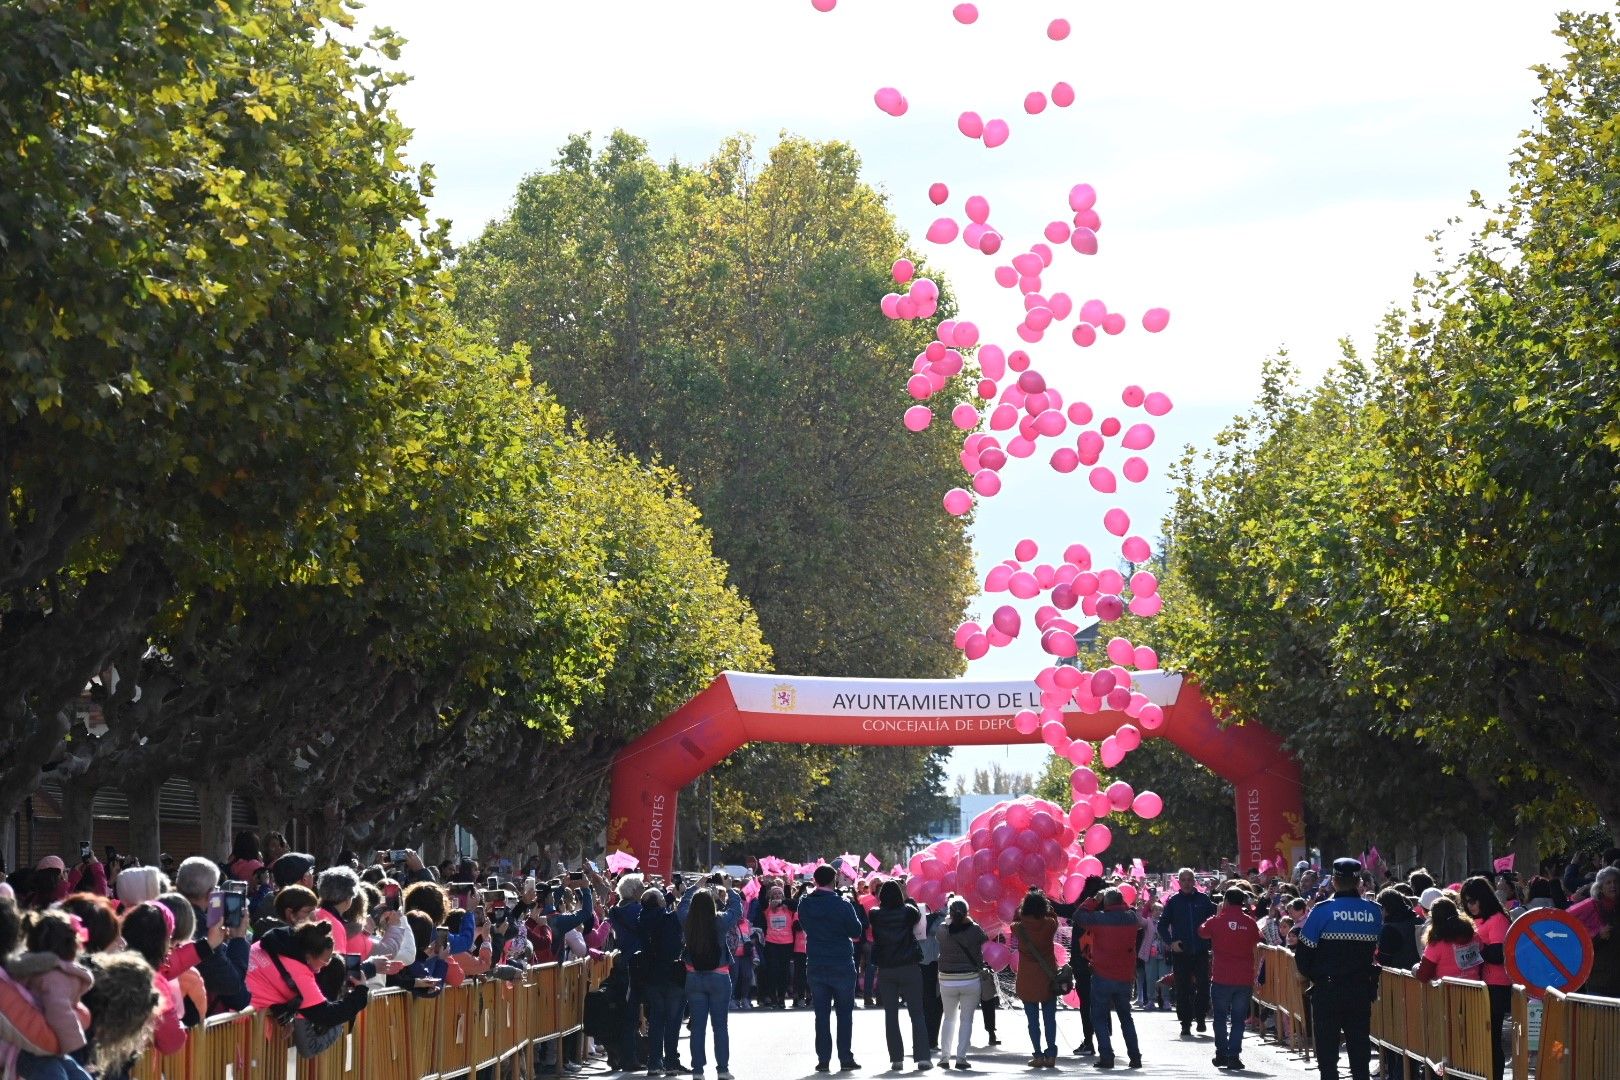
664, 1001
1110, 998
1231, 1004
708, 995
1035, 1012
833, 989
35, 1067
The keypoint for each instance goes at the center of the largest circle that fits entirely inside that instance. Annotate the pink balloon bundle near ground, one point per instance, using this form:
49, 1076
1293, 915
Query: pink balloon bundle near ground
1010, 409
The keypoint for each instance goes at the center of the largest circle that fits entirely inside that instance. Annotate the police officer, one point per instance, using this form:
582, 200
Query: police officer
1335, 955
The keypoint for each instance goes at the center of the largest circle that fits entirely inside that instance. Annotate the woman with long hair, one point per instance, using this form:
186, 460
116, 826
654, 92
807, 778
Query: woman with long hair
708, 971
1491, 924
898, 954
1450, 947
1035, 931
961, 958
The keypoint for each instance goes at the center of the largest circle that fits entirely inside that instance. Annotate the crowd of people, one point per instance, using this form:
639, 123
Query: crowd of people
102, 960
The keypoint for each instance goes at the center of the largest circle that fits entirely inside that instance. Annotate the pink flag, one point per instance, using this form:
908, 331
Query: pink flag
751, 889
1138, 869
849, 871
872, 861
1503, 864
894, 871
621, 860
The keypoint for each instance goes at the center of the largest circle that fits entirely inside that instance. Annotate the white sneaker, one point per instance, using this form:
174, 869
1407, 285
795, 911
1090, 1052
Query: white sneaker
723, 1074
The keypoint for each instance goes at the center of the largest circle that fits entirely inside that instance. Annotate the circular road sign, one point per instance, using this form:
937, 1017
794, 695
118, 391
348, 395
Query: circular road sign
1548, 949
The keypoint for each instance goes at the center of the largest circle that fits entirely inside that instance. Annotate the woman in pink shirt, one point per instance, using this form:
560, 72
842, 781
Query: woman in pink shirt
1450, 947
1491, 925
281, 972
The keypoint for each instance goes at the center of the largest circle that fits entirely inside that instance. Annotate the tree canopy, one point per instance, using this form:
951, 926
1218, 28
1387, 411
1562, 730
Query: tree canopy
722, 319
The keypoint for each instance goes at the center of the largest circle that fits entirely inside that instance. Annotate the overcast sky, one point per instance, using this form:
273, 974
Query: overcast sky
1268, 171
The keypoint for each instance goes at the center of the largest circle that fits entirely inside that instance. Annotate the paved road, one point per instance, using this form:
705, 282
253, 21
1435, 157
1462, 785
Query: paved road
780, 1046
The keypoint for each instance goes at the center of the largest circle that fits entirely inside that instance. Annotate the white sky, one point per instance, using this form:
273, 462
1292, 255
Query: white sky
1268, 171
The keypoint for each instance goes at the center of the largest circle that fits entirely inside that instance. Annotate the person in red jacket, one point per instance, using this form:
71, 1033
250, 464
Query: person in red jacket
1234, 937
1115, 936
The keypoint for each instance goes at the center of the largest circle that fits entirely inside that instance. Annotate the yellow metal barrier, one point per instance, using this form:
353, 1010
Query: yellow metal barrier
477, 1025
1284, 994
1580, 1037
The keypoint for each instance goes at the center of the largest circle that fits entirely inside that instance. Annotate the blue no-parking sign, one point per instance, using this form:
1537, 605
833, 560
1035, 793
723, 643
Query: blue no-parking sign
1548, 949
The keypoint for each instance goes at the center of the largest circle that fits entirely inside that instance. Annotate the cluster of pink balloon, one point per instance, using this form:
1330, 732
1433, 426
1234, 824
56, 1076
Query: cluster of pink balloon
1028, 842
1020, 844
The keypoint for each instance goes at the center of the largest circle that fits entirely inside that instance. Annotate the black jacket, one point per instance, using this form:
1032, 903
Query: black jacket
894, 938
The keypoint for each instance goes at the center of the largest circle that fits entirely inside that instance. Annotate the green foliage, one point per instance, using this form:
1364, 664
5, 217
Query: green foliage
342, 552
724, 320
1411, 570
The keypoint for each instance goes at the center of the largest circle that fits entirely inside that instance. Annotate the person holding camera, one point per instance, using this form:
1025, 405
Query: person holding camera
224, 970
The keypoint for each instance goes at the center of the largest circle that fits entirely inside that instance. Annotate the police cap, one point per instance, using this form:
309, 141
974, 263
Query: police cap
1346, 868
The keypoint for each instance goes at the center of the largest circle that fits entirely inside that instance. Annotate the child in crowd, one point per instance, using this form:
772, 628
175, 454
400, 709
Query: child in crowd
51, 971
749, 951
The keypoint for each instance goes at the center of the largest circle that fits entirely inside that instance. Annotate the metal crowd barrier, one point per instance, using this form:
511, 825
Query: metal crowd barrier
1283, 993
1445, 1026
482, 1024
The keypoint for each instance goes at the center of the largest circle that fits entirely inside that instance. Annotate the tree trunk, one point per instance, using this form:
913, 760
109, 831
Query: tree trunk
214, 807
145, 829
1527, 850
1480, 853
78, 824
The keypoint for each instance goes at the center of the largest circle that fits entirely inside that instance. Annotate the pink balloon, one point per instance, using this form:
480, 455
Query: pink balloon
1136, 549
1084, 241
1081, 816
1155, 319
1085, 583
823, 5
1120, 651
1117, 521
938, 193
1058, 232
1127, 892
1129, 736
1084, 336
1022, 585
1026, 722
1156, 404
1083, 781
1003, 417
1138, 437
1062, 95
957, 502
965, 417
1146, 606
918, 417
1082, 196
1090, 866
978, 209
902, 270
1100, 806
1065, 460
996, 579
1145, 659
1077, 555
1148, 805
997, 955
1132, 396
970, 124
890, 304
986, 482
1057, 29
1007, 620
976, 646
967, 335
993, 361
990, 243
1088, 219
942, 231
1113, 323
1044, 252
1098, 837
891, 101
1135, 470
1120, 795
1035, 102
1151, 718
920, 387
973, 235
1144, 583
992, 457
1102, 479
1073, 886
965, 631
995, 133
1006, 277
1080, 753
966, 14
1110, 608
1060, 643
1025, 550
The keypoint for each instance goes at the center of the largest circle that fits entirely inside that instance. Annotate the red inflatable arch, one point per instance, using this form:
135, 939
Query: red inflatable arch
740, 708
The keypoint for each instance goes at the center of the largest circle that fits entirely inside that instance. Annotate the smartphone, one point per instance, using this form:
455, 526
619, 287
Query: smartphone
441, 936
351, 965
492, 882
233, 907
576, 875
391, 896
216, 908
397, 855
85, 850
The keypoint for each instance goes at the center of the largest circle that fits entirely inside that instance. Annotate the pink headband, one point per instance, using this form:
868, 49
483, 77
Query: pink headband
168, 916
